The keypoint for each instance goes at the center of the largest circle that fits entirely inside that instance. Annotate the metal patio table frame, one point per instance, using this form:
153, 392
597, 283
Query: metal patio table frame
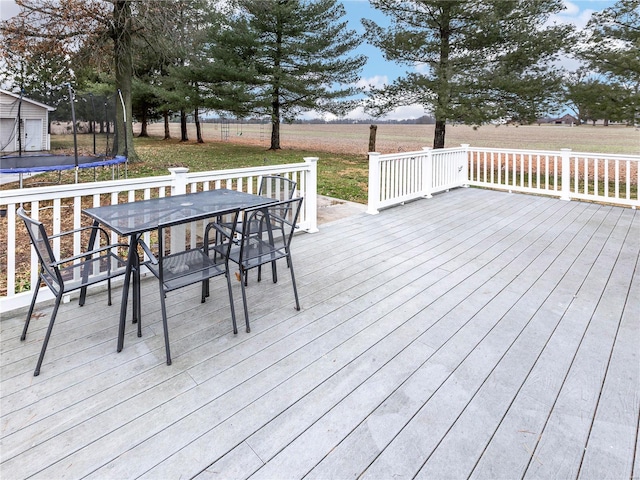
136, 218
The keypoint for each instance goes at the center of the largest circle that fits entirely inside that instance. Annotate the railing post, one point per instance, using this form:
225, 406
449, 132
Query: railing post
311, 195
566, 174
178, 187
427, 172
178, 180
374, 183
463, 167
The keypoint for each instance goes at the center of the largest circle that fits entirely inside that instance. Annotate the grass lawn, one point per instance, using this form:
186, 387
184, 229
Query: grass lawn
343, 165
341, 175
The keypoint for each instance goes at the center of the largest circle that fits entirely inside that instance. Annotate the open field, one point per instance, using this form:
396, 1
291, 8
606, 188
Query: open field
343, 168
354, 138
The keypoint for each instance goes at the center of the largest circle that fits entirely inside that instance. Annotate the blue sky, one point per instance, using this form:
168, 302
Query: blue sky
377, 71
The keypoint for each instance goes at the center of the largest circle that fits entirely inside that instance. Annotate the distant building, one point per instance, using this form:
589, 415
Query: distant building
566, 119
34, 124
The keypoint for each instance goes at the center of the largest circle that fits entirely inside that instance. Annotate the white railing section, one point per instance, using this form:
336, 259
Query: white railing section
50, 204
568, 175
399, 177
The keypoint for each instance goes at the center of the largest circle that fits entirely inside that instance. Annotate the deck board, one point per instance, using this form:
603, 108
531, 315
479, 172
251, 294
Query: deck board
475, 334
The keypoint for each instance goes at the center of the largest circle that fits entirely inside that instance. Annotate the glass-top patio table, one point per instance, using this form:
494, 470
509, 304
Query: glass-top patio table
135, 218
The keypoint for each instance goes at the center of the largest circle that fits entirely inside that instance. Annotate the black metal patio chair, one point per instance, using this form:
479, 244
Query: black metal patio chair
279, 188
62, 276
273, 186
267, 234
180, 269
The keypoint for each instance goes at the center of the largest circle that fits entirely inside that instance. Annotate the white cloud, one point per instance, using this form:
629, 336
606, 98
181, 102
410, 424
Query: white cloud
400, 113
572, 14
377, 81
571, 8
409, 111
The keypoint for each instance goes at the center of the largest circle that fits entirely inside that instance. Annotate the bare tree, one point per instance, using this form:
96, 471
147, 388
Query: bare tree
91, 34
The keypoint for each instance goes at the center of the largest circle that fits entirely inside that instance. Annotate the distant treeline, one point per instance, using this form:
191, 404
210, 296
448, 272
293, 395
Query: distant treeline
424, 120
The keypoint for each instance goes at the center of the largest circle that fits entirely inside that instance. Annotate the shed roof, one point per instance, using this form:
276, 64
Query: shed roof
25, 99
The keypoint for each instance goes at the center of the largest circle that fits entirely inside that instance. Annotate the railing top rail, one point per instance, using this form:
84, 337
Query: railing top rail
619, 156
52, 192
424, 151
611, 156
49, 192
253, 171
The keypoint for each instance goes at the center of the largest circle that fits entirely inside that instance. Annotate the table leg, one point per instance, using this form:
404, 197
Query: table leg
137, 300
131, 263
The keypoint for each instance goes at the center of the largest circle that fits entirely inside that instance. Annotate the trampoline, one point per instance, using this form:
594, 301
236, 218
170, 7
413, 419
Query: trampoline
21, 164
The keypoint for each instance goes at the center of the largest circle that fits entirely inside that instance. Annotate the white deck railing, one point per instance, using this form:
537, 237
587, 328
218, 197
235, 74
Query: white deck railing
50, 204
400, 177
568, 175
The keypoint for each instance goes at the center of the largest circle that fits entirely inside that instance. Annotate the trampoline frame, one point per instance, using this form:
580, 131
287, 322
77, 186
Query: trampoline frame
73, 163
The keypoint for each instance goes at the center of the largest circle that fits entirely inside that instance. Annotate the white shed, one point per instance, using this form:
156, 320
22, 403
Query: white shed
34, 123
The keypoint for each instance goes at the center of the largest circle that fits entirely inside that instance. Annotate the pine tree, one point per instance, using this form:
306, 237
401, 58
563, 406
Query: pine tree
473, 60
285, 57
613, 50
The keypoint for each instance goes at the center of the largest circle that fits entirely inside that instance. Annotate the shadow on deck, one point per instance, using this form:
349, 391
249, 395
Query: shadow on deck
476, 334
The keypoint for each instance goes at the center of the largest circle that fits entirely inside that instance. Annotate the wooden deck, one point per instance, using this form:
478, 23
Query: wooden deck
476, 334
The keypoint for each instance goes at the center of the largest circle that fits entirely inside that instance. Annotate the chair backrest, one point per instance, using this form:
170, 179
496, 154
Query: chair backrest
42, 246
274, 223
186, 265
275, 186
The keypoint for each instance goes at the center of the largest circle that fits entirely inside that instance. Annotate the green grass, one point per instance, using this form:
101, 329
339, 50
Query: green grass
343, 176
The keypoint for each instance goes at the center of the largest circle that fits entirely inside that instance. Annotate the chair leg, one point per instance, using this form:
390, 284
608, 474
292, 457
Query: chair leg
293, 282
205, 293
243, 274
46, 337
137, 310
139, 289
233, 308
33, 304
83, 296
109, 292
274, 272
164, 324
138, 300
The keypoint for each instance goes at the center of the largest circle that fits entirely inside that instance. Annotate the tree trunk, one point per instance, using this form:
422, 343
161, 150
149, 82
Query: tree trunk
143, 126
184, 137
438, 135
123, 144
275, 123
198, 128
167, 131
444, 77
372, 138
275, 135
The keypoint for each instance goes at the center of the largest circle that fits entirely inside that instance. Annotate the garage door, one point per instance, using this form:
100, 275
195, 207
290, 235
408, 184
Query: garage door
7, 135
